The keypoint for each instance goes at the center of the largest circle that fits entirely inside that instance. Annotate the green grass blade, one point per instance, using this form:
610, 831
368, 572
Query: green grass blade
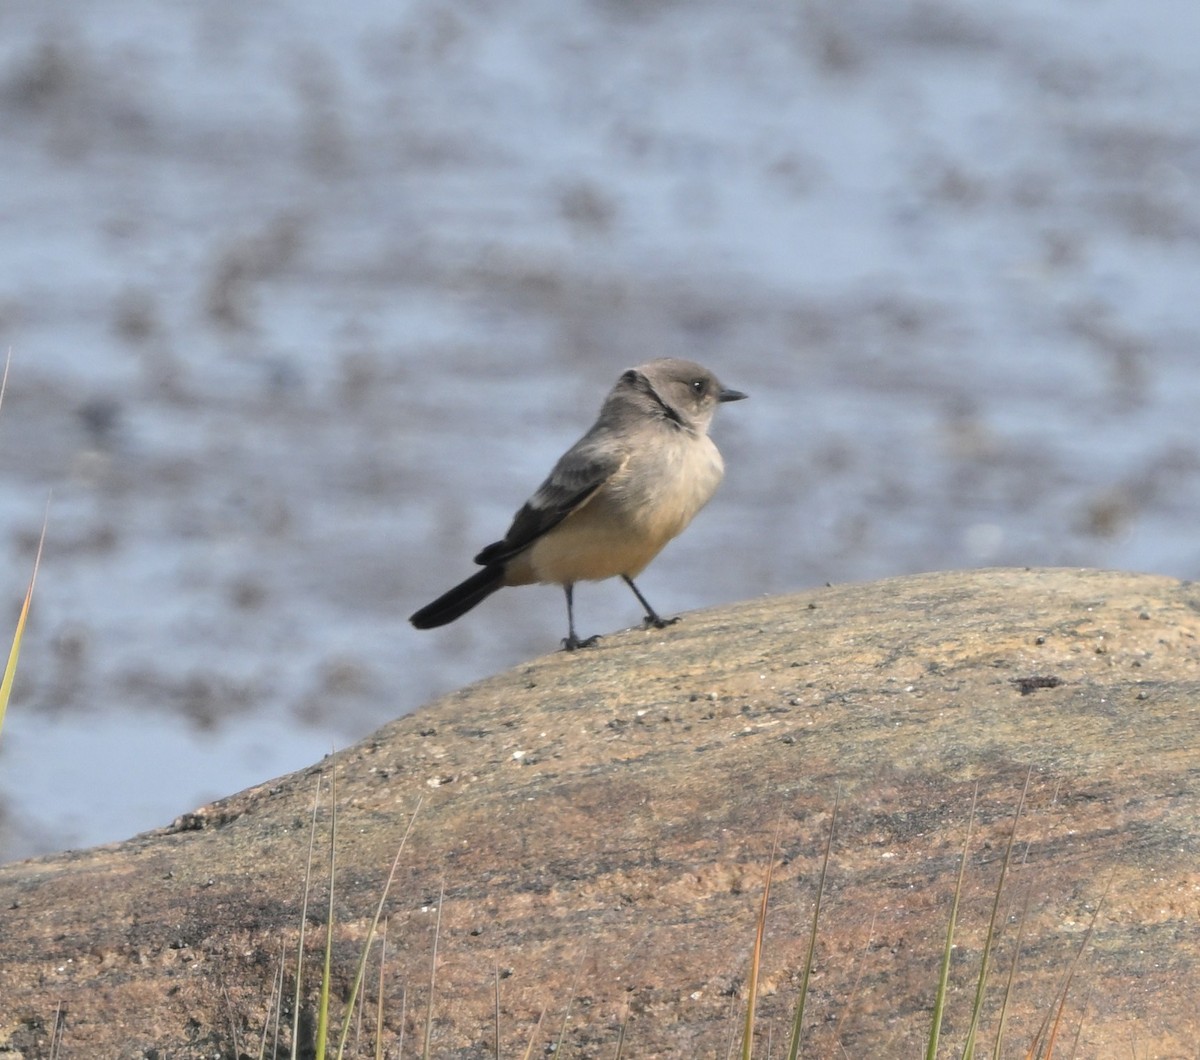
977, 1005
312, 846
1002, 1022
798, 1020
327, 973
939, 1001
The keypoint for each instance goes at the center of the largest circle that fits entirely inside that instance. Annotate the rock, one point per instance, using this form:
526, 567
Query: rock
602, 824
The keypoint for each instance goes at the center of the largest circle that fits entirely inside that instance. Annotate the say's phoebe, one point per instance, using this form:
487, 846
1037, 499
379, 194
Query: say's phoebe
614, 499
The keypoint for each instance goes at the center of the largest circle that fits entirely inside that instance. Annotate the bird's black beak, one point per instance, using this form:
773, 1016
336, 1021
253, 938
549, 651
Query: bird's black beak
731, 395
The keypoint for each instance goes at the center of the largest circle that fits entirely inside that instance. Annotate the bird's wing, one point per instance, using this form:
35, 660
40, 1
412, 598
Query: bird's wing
577, 476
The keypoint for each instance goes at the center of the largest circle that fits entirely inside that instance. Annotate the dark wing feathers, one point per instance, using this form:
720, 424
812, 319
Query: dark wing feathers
574, 480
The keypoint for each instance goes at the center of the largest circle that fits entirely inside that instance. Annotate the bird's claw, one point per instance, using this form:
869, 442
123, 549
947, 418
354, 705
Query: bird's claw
573, 643
655, 622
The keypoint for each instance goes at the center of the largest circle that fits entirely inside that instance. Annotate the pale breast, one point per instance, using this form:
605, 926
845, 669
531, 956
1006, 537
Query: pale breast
629, 520
671, 490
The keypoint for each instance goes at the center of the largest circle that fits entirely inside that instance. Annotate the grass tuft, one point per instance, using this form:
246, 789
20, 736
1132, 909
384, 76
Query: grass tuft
360, 971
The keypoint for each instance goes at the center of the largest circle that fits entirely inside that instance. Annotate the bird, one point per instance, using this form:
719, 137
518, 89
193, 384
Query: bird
632, 483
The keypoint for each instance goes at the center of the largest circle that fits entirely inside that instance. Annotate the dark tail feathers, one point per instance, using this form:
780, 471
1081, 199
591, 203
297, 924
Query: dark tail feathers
459, 600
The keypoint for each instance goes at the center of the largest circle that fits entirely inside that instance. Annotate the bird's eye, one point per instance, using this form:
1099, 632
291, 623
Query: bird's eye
699, 386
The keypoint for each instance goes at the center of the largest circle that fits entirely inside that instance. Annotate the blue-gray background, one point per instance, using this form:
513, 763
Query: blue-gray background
304, 298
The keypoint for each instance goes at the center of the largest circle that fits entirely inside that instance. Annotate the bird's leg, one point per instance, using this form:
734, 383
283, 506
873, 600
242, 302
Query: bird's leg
652, 617
571, 641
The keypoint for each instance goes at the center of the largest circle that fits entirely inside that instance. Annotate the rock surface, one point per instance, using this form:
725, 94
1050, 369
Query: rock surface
602, 823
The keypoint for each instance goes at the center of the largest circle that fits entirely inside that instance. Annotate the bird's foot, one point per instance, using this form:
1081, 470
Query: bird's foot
573, 643
658, 622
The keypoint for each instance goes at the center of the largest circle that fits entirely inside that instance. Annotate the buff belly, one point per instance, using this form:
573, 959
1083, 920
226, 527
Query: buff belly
627, 521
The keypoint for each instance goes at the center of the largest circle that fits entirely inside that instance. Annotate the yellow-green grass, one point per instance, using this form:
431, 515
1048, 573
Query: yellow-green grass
1040, 1048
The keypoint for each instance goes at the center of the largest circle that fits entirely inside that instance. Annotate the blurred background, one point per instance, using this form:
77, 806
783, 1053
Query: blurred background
305, 298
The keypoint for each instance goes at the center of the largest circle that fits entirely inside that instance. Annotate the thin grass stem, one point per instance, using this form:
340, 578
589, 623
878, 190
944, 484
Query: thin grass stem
327, 972
59, 1031
14, 652
403, 1013
939, 1001
533, 1035
1002, 1022
621, 1038
562, 1034
798, 1020
379, 997
437, 928
1074, 965
496, 1013
843, 1020
360, 971
968, 1052
312, 846
756, 955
